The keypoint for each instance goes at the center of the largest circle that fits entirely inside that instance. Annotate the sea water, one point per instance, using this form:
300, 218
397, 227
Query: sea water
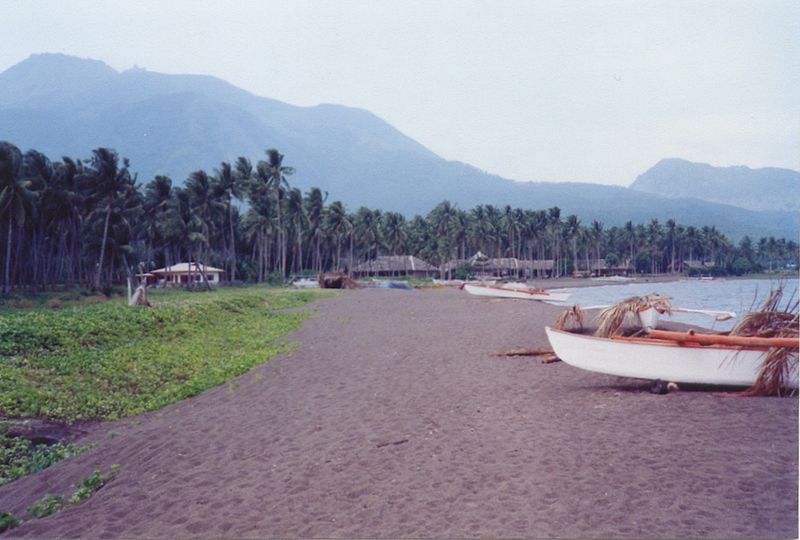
737, 295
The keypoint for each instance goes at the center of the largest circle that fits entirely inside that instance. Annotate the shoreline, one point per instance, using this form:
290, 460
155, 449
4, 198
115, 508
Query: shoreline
393, 418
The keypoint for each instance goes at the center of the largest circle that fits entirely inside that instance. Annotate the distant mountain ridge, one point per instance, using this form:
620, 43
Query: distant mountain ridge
175, 124
768, 188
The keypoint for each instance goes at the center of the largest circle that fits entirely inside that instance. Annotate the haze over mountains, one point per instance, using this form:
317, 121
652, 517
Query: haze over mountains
757, 189
174, 124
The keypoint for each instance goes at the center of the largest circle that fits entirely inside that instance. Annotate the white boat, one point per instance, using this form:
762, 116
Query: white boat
305, 283
461, 282
668, 360
498, 291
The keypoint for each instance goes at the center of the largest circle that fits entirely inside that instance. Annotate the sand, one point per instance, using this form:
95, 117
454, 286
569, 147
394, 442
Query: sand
393, 419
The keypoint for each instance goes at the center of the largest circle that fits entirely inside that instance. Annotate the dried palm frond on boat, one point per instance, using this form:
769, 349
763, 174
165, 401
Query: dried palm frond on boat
571, 317
772, 321
613, 320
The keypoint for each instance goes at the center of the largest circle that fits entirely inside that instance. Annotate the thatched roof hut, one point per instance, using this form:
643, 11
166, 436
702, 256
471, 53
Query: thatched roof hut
504, 266
511, 266
601, 268
395, 265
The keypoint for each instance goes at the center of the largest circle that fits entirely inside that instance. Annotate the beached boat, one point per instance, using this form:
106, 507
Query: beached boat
461, 282
498, 291
682, 357
305, 283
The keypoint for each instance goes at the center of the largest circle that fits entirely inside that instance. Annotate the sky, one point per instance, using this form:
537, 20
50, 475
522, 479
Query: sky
595, 91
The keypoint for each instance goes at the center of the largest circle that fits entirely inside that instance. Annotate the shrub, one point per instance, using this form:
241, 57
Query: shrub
88, 485
8, 521
49, 504
19, 456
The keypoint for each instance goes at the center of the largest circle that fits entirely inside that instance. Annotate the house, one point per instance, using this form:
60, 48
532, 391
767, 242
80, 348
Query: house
519, 268
396, 265
601, 268
182, 273
503, 267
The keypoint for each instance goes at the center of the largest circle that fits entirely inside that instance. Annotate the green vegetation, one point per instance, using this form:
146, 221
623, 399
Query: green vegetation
108, 360
8, 521
87, 485
87, 222
49, 504
19, 456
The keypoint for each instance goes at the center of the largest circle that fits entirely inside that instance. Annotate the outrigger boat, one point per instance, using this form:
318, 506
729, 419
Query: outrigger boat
682, 357
499, 291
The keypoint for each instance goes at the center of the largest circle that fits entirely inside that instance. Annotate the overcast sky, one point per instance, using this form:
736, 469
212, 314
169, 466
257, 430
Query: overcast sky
531, 90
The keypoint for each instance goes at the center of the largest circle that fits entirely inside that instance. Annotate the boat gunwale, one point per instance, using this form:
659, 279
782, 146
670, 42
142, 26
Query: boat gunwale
665, 342
510, 289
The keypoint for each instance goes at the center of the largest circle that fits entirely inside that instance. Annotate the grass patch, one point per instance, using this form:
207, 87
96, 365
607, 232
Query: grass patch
108, 360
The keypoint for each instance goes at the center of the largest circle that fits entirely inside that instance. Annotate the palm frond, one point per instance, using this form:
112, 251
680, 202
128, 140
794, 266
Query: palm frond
614, 319
771, 320
571, 317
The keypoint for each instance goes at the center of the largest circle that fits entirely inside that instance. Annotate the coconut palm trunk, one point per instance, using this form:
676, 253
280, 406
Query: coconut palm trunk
7, 278
99, 274
232, 244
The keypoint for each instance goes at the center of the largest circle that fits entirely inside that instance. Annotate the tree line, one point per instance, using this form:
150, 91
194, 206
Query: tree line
88, 222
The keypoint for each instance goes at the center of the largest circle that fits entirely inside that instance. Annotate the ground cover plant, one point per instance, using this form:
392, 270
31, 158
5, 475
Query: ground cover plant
87, 485
20, 456
108, 360
49, 504
8, 521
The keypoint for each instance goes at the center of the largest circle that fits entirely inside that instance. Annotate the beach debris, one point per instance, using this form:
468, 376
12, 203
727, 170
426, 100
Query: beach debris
614, 319
547, 355
661, 387
772, 321
336, 280
570, 318
387, 443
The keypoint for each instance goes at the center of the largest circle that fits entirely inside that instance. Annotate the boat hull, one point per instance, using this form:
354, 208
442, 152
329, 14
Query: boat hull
503, 292
727, 366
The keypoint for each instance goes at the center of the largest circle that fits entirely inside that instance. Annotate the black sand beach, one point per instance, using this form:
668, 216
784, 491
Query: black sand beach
393, 419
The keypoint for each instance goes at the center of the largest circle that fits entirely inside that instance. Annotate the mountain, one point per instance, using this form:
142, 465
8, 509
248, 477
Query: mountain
757, 189
174, 124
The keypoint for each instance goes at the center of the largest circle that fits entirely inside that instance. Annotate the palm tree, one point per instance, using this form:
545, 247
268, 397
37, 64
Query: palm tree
157, 197
109, 182
441, 220
298, 219
337, 224
596, 234
315, 208
16, 199
461, 226
572, 230
481, 230
258, 226
654, 235
186, 228
494, 229
229, 185
69, 209
39, 171
206, 206
368, 232
554, 223
273, 174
